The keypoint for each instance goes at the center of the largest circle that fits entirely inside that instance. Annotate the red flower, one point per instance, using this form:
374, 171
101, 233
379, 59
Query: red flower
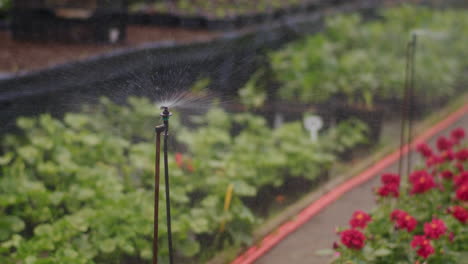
460, 167
422, 181
435, 228
424, 246
353, 239
444, 143
408, 222
462, 155
403, 220
447, 155
458, 134
434, 160
179, 159
462, 192
424, 150
389, 190
460, 213
397, 214
360, 219
461, 179
390, 178
391, 185
447, 174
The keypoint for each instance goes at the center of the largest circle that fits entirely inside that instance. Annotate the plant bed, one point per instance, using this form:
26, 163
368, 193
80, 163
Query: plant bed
90, 21
220, 15
420, 218
94, 170
373, 118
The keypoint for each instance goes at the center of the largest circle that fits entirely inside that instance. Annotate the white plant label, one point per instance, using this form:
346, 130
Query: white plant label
313, 124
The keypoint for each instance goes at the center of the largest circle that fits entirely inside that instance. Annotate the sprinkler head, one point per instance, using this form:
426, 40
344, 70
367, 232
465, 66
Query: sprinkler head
165, 113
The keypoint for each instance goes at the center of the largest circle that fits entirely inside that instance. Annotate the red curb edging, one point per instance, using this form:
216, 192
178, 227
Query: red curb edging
271, 240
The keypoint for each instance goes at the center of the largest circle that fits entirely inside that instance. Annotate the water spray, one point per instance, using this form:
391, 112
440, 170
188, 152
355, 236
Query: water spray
162, 129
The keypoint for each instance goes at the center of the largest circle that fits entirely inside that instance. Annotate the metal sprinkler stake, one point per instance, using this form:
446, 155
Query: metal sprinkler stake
164, 128
159, 129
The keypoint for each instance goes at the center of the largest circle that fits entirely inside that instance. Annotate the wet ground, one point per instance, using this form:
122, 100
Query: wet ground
319, 233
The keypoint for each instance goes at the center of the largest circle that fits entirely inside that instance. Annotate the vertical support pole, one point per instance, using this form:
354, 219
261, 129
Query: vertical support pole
404, 110
411, 101
157, 160
165, 116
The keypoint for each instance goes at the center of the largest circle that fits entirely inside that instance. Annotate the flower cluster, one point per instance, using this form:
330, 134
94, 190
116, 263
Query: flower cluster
423, 245
427, 215
421, 182
353, 239
391, 185
403, 220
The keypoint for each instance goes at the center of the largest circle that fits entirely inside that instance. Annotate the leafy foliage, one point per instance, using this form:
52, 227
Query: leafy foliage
365, 61
80, 190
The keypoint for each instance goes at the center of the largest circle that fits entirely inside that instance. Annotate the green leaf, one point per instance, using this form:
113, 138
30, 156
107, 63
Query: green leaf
382, 252
108, 245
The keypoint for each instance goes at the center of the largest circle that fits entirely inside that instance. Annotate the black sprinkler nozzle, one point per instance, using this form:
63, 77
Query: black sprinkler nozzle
165, 113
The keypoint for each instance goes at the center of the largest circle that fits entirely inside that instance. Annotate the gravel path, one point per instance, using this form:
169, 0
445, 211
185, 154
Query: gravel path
301, 246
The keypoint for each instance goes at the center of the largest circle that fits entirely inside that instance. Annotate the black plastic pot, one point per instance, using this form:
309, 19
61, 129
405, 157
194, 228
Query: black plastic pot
195, 22
4, 23
38, 21
222, 24
43, 25
158, 19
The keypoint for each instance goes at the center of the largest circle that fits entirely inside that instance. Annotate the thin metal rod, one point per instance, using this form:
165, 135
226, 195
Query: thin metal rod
411, 102
156, 195
404, 110
168, 195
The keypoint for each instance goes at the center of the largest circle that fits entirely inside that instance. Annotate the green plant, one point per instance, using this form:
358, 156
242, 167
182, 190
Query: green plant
365, 62
79, 190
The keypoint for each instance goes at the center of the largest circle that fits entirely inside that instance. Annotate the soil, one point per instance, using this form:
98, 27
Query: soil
319, 233
21, 56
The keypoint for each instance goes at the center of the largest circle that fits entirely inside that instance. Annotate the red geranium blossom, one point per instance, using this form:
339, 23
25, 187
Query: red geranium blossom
462, 155
462, 192
424, 246
461, 179
447, 155
460, 167
424, 149
389, 190
447, 174
397, 214
353, 239
435, 229
360, 219
458, 134
434, 160
408, 222
391, 185
403, 220
390, 178
460, 213
444, 143
422, 181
